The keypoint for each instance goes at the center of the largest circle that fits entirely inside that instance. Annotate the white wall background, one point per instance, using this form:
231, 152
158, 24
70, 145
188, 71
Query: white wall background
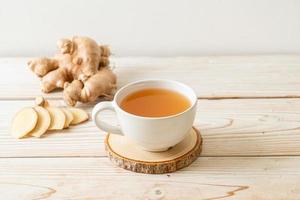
152, 27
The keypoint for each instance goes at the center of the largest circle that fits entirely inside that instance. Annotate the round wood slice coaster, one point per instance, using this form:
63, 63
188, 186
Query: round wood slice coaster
124, 153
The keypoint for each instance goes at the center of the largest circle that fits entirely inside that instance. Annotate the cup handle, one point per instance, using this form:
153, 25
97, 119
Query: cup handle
105, 105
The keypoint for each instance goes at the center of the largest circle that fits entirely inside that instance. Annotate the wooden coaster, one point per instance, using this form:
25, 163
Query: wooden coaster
124, 153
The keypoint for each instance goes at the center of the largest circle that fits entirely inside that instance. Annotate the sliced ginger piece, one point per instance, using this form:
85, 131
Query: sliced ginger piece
40, 101
58, 118
69, 117
43, 122
24, 122
79, 115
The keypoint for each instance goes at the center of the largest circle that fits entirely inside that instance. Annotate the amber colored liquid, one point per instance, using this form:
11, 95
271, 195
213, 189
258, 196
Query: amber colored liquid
155, 102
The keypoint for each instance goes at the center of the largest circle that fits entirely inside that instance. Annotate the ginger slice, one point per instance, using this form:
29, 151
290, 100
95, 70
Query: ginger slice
79, 115
69, 117
40, 101
58, 118
43, 122
24, 122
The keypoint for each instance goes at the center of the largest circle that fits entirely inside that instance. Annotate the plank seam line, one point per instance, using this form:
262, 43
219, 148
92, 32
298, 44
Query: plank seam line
199, 98
207, 156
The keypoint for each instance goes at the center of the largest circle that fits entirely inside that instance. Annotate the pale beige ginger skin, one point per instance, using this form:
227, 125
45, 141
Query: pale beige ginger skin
102, 84
82, 63
41, 66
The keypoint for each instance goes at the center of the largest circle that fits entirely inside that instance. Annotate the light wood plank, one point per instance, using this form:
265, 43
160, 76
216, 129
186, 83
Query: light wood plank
238, 127
211, 77
274, 178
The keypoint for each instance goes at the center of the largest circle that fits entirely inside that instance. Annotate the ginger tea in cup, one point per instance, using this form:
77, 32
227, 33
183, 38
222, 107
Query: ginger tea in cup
155, 102
156, 114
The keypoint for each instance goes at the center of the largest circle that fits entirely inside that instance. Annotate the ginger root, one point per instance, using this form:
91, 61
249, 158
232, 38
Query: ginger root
103, 83
81, 67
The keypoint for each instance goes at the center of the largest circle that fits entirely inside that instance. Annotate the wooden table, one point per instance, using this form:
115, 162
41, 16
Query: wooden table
248, 114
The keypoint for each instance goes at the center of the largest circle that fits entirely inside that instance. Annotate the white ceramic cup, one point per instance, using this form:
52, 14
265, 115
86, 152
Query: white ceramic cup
150, 133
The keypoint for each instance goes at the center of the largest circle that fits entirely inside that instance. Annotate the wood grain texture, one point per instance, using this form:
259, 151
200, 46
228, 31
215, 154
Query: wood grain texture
208, 178
237, 127
210, 77
238, 134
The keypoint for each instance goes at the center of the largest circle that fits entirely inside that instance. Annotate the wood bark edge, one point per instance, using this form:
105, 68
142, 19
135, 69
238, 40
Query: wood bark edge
162, 167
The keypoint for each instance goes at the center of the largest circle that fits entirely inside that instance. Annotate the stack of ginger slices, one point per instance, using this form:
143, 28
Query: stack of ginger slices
36, 121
